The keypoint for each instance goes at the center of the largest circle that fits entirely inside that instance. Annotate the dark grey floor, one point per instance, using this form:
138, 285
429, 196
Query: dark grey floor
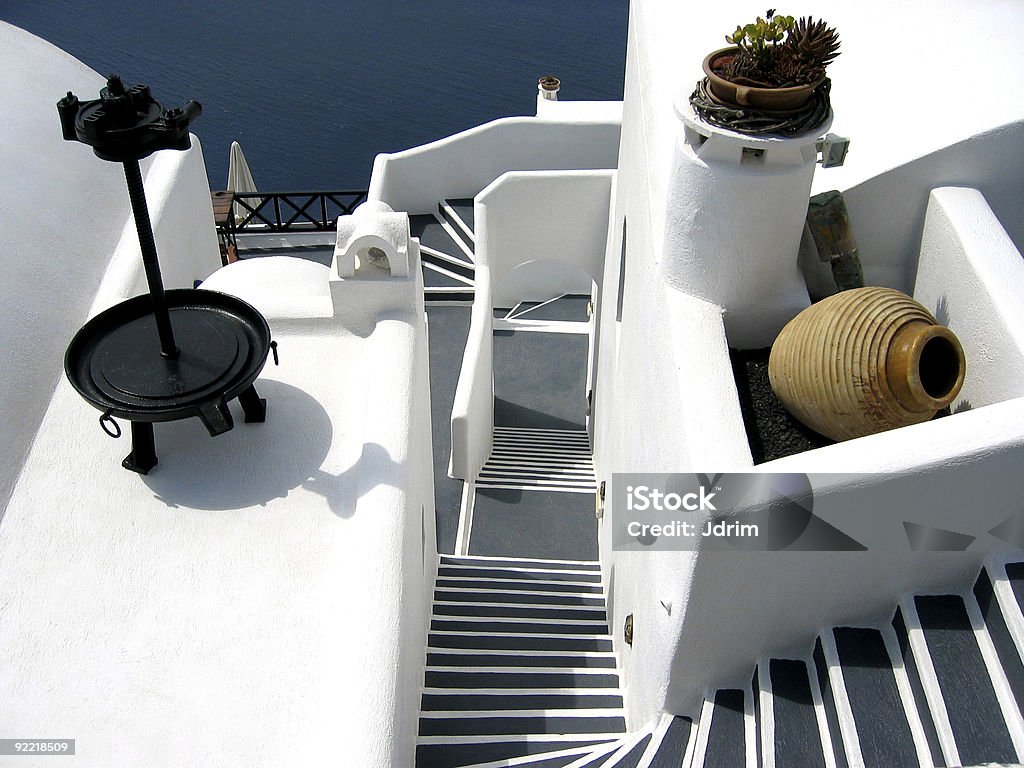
540, 379
539, 382
540, 524
449, 327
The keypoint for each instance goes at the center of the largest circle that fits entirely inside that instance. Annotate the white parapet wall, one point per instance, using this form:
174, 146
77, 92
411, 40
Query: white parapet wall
472, 416
178, 199
461, 165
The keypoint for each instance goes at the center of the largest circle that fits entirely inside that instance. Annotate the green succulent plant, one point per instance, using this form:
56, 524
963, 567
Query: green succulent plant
779, 51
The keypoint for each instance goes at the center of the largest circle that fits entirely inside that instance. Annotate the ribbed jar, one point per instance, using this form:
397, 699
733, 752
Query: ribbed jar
863, 361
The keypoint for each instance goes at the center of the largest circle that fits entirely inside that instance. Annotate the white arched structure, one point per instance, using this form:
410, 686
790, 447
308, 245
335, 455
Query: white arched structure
374, 237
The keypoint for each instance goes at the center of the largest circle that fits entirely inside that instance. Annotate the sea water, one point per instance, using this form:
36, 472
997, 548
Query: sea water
314, 90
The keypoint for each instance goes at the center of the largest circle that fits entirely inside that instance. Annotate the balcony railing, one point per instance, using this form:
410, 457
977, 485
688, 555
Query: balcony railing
269, 212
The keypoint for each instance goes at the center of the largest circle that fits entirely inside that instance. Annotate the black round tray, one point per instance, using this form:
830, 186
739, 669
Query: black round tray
114, 360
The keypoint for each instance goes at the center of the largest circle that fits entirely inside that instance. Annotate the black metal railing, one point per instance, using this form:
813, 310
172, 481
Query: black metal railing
293, 211
264, 212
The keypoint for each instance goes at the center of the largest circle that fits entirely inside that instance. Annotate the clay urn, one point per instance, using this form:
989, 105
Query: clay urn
864, 361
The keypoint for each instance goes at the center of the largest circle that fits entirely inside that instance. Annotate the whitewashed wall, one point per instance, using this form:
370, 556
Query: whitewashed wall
662, 372
543, 233
473, 407
461, 165
664, 396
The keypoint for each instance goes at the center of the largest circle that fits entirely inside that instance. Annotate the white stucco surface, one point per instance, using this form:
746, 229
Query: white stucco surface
649, 416
61, 212
547, 219
461, 165
259, 598
971, 277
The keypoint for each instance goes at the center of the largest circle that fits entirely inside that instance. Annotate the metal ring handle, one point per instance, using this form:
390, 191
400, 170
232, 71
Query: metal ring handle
105, 420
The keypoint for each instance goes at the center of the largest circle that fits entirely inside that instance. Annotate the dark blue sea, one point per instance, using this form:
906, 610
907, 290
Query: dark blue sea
313, 90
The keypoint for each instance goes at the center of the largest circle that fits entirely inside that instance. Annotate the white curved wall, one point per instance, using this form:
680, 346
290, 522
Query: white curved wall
61, 213
463, 164
64, 213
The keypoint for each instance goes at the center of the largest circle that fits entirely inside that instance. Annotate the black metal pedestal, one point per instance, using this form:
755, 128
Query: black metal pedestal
168, 355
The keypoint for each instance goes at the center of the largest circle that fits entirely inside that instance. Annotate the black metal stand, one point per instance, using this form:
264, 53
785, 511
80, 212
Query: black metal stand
253, 406
137, 194
112, 361
143, 455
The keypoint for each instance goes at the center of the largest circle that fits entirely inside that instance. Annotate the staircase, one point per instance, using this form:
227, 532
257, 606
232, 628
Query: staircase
447, 246
519, 662
520, 672
539, 459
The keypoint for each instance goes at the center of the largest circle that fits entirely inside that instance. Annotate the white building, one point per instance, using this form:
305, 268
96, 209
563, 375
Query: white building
274, 596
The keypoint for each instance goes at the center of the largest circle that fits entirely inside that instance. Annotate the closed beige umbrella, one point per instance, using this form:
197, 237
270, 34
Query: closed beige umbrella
240, 179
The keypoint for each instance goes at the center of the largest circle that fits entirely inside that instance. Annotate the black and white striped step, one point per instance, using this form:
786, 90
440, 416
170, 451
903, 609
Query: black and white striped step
519, 663
968, 697
448, 269
460, 215
862, 676
539, 459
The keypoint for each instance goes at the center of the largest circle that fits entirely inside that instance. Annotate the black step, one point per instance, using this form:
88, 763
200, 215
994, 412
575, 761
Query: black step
755, 696
478, 726
543, 565
462, 268
550, 597
974, 713
488, 702
727, 737
518, 680
518, 643
521, 611
517, 575
673, 744
434, 279
917, 688
883, 729
436, 659
457, 297
995, 622
797, 740
526, 586
517, 627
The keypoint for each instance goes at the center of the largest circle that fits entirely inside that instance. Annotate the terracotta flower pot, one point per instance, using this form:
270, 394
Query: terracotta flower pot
864, 361
739, 95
